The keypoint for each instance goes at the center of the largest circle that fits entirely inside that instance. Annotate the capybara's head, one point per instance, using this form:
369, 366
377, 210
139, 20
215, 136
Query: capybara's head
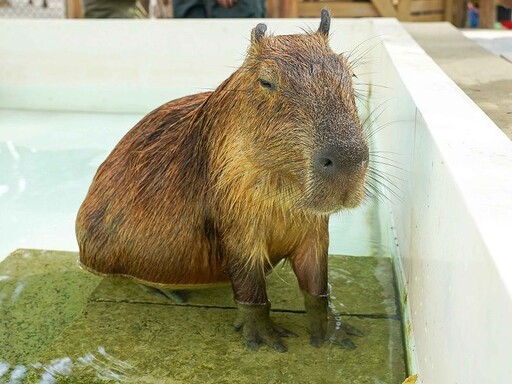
300, 121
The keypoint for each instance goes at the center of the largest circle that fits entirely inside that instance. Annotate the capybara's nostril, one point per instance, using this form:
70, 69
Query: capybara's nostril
326, 162
335, 160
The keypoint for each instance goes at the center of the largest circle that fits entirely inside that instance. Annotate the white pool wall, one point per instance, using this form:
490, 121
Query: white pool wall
453, 220
114, 66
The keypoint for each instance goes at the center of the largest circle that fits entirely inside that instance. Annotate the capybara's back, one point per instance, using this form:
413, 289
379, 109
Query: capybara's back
220, 186
142, 216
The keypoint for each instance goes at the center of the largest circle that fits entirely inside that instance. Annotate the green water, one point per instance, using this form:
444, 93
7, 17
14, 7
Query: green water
60, 324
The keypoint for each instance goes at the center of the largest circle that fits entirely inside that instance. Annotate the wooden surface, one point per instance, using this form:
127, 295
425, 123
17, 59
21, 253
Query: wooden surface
338, 9
404, 10
289, 8
487, 16
73, 9
273, 8
448, 10
459, 13
420, 6
384, 7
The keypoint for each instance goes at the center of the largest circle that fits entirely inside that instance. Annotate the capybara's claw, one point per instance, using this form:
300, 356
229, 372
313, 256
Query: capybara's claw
252, 345
178, 296
280, 347
283, 332
348, 344
316, 341
352, 330
338, 334
258, 329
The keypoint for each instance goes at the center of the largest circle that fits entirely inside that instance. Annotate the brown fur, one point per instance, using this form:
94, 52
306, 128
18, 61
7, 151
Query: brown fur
219, 186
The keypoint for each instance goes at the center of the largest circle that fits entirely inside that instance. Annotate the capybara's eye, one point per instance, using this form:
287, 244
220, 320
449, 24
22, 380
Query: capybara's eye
267, 84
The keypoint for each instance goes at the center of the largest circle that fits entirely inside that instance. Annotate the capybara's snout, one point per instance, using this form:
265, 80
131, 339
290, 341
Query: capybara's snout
334, 161
337, 172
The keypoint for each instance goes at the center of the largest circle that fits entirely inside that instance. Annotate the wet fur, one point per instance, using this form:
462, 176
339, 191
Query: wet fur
218, 187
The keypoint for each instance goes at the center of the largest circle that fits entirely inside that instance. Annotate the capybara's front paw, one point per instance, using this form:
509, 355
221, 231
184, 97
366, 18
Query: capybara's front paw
324, 325
254, 322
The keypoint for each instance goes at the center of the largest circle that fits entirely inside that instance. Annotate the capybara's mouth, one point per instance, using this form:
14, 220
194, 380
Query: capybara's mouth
331, 204
329, 196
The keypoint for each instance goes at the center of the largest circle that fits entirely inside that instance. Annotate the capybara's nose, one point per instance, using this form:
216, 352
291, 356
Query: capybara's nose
334, 160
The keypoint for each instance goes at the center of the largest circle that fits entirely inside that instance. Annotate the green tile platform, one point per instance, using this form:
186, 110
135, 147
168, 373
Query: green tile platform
59, 324
41, 292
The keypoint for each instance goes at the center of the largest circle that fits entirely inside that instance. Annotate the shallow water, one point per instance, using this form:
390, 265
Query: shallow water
48, 160
68, 326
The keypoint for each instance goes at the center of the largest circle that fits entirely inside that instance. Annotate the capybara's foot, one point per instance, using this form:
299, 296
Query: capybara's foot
257, 328
325, 325
179, 296
339, 333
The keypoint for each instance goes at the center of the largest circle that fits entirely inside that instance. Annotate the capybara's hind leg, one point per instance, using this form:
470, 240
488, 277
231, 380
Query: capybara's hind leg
179, 296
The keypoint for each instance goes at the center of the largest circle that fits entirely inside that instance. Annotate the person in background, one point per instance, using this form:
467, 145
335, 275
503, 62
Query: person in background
115, 9
504, 13
218, 8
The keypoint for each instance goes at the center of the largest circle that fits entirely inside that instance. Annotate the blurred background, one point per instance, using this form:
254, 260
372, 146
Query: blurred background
495, 14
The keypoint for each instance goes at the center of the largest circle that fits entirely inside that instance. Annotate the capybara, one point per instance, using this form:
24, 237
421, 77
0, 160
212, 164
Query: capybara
220, 186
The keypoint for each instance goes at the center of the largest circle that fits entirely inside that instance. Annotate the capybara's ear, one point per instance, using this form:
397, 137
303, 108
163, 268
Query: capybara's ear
325, 22
258, 32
